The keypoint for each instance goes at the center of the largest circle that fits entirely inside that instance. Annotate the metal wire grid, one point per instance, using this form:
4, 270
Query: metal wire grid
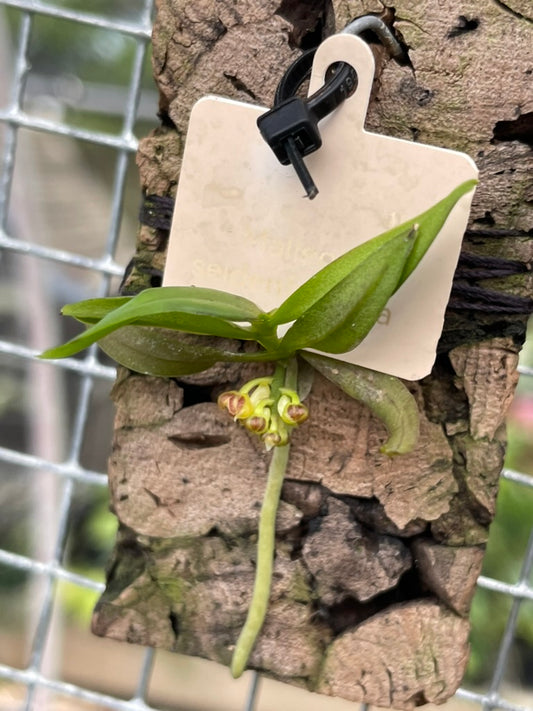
70, 471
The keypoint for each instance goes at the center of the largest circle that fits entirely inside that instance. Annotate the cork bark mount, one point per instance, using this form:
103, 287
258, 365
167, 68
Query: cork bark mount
376, 559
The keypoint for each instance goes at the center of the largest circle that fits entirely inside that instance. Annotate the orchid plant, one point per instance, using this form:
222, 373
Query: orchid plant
331, 313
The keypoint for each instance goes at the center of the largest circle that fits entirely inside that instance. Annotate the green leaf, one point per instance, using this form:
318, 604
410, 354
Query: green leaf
332, 311
93, 310
386, 396
429, 223
344, 315
188, 299
156, 351
188, 323
306, 377
187, 309
167, 353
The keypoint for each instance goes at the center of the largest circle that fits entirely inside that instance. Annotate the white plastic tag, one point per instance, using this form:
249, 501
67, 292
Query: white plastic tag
240, 223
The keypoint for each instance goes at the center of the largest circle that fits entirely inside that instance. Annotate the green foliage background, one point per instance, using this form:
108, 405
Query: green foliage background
509, 535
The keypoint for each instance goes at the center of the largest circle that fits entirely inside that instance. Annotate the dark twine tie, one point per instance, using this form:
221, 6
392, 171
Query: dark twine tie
466, 294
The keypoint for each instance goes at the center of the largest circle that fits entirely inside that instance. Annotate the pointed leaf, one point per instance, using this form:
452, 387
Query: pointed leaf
364, 314
154, 351
430, 223
385, 395
188, 309
93, 310
188, 299
167, 353
179, 321
342, 316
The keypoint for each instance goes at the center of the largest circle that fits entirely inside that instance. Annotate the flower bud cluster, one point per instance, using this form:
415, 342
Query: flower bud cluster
270, 418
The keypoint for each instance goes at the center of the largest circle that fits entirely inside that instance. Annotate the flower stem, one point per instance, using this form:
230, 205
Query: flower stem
265, 561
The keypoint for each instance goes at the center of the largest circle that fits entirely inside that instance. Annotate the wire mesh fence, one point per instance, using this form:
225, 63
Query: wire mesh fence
61, 395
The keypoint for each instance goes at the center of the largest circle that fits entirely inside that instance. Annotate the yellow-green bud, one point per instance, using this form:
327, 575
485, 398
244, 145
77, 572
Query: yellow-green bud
257, 424
260, 414
295, 414
277, 434
237, 404
290, 409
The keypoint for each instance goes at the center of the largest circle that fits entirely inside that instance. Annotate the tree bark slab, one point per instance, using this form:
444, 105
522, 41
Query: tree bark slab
376, 559
430, 651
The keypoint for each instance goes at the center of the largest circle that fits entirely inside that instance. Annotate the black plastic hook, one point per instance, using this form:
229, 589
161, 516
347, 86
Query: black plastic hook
291, 127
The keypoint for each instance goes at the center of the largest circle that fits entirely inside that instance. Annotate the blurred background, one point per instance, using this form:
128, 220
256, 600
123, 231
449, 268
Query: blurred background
69, 198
